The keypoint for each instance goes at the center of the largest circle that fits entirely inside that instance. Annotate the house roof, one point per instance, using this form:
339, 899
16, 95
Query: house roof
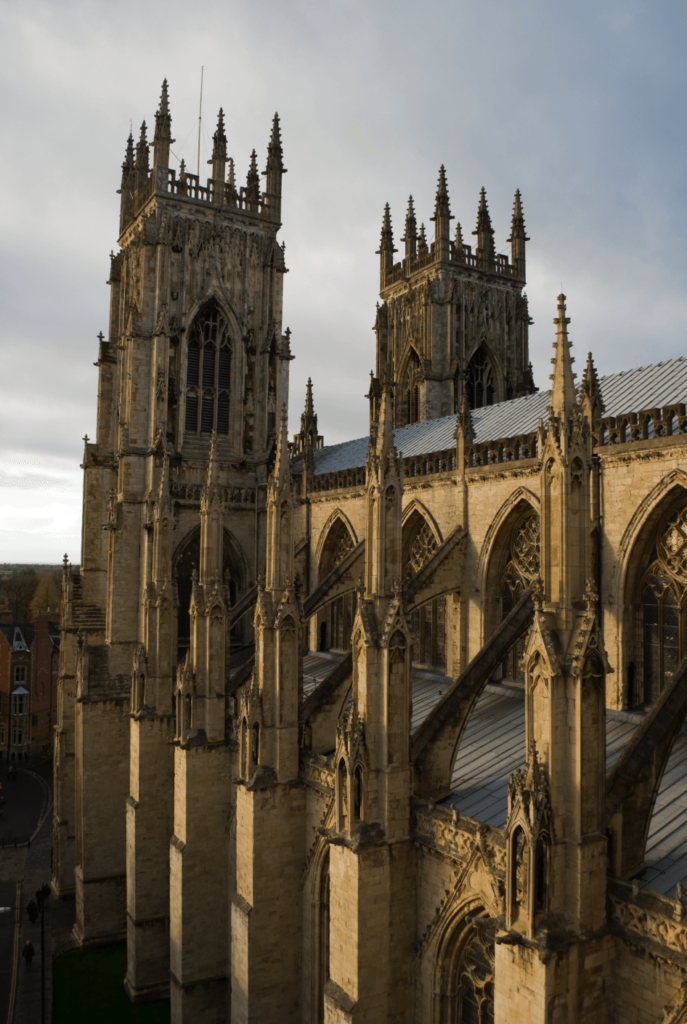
644, 387
19, 638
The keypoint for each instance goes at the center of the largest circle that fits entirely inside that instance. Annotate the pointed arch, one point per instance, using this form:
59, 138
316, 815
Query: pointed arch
420, 540
629, 583
337, 515
417, 506
483, 377
409, 378
463, 970
493, 551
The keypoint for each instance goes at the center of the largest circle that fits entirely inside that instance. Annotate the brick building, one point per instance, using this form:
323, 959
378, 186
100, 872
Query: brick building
390, 730
29, 662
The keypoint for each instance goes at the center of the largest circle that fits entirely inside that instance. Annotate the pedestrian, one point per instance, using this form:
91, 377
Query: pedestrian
28, 952
32, 911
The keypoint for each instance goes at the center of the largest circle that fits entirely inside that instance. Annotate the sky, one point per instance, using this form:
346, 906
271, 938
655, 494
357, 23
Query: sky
580, 106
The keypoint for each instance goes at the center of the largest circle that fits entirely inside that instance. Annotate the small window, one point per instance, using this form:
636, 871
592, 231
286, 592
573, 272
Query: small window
17, 735
34, 719
19, 704
20, 673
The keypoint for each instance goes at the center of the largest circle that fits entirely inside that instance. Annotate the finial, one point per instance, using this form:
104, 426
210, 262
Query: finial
253, 182
129, 155
563, 391
275, 154
590, 392
386, 246
486, 253
309, 408
422, 247
410, 237
101, 337
441, 206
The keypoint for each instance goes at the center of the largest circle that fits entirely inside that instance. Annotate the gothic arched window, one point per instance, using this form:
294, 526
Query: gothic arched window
480, 381
522, 568
208, 374
410, 412
337, 619
663, 614
467, 978
428, 623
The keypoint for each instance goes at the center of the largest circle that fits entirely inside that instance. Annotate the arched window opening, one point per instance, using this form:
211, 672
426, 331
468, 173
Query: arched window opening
342, 786
188, 718
244, 748
541, 875
410, 392
255, 745
663, 621
467, 979
521, 569
323, 636
479, 381
335, 630
208, 374
358, 794
143, 690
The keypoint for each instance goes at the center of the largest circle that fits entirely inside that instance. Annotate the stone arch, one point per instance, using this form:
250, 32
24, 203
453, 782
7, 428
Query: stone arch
337, 516
463, 974
493, 555
420, 539
632, 562
418, 506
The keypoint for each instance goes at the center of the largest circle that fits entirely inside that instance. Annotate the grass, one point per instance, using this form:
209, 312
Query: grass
88, 987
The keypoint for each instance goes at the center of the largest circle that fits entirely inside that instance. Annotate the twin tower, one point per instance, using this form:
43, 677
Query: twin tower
180, 822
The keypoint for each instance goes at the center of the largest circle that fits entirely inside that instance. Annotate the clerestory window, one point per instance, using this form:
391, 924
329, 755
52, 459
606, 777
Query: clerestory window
208, 374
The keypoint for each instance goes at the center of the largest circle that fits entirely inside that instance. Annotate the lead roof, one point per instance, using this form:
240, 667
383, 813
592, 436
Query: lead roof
635, 390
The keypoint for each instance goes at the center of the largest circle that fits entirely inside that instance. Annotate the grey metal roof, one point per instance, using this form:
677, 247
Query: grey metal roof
316, 666
643, 387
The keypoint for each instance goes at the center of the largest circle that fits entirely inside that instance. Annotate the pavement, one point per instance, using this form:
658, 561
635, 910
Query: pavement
28, 812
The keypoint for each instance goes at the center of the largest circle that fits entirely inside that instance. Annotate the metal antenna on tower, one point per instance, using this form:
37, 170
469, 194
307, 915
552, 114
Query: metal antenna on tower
200, 119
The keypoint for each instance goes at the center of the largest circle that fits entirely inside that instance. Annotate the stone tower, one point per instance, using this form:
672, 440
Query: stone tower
451, 317
190, 381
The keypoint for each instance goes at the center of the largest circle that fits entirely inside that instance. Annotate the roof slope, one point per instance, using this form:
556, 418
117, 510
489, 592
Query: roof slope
644, 387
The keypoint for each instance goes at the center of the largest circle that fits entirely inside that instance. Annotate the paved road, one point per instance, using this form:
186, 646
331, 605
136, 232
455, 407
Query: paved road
26, 800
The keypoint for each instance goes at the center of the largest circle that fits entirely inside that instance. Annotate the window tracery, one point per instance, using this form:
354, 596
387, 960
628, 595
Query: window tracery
522, 568
428, 623
663, 609
480, 381
208, 374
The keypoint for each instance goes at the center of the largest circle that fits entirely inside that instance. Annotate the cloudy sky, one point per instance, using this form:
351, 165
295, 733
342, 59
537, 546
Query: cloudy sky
580, 105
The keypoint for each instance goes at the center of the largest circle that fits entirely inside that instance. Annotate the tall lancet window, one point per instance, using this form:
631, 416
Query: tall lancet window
410, 411
208, 374
480, 381
520, 571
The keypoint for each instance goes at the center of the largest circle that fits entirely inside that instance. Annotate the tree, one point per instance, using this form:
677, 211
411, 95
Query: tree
18, 591
47, 597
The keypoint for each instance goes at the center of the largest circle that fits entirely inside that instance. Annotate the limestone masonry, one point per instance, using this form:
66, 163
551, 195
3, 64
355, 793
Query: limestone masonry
387, 731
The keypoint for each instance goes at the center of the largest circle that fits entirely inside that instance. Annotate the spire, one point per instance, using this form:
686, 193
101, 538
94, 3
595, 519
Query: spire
518, 236
563, 389
163, 133
219, 149
308, 436
386, 246
442, 218
309, 410
486, 255
274, 170
142, 155
422, 247
590, 392
253, 184
410, 237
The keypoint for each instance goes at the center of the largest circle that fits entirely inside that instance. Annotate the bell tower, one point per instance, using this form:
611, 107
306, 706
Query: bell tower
192, 374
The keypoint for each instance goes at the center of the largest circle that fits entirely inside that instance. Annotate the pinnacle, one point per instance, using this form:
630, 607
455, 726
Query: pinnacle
518, 221
387, 242
143, 139
275, 156
164, 100
129, 155
563, 389
231, 174
441, 206
309, 406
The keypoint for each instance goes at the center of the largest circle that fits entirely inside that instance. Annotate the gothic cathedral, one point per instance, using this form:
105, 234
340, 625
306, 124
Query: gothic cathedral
389, 731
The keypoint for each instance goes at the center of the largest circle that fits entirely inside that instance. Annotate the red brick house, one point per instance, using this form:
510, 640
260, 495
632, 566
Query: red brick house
28, 687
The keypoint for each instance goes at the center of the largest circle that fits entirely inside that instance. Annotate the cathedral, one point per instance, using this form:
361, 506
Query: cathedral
387, 731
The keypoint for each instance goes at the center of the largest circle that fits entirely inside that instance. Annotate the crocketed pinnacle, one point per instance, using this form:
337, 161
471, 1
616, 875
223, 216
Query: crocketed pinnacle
231, 174
422, 248
282, 469
253, 180
163, 117
129, 155
387, 241
142, 150
517, 228
459, 245
484, 231
441, 205
275, 155
464, 427
410, 237
309, 407
219, 139
563, 378
590, 390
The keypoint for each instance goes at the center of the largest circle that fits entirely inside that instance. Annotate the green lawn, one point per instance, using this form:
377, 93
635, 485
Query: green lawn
88, 988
